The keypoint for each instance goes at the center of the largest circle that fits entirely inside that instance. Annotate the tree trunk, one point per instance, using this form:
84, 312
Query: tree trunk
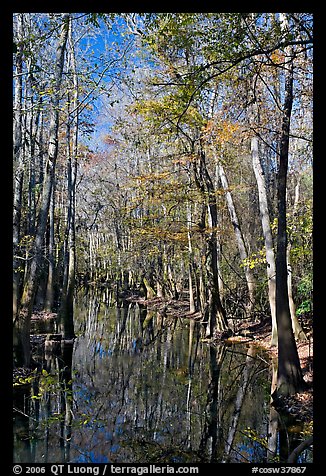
217, 322
296, 327
161, 264
32, 121
214, 316
22, 324
239, 237
265, 220
150, 293
289, 373
192, 307
49, 297
66, 315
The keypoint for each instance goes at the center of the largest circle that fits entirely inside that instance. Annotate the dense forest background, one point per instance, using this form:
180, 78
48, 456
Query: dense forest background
166, 155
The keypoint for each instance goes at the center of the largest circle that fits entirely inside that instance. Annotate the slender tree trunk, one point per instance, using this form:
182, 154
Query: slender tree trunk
219, 243
22, 324
296, 327
63, 310
289, 373
40, 143
32, 121
49, 297
192, 307
239, 237
217, 322
265, 220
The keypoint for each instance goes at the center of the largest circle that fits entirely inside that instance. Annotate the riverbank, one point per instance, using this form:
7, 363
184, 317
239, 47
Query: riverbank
300, 406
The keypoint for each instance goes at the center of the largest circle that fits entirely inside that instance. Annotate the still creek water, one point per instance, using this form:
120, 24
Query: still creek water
136, 387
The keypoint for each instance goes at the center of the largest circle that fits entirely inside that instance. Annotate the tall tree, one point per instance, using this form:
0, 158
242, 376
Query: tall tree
289, 373
66, 312
22, 322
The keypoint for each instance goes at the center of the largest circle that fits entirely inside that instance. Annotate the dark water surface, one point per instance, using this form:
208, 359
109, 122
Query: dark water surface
137, 387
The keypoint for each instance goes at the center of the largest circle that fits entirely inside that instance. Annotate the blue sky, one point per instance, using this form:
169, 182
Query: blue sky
104, 53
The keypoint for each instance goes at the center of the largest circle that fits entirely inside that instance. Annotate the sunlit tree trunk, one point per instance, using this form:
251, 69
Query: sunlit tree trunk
32, 125
266, 226
239, 237
49, 297
192, 307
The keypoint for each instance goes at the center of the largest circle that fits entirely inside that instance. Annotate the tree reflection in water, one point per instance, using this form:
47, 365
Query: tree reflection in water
139, 386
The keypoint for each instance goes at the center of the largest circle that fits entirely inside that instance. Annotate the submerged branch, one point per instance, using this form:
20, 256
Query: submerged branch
299, 449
